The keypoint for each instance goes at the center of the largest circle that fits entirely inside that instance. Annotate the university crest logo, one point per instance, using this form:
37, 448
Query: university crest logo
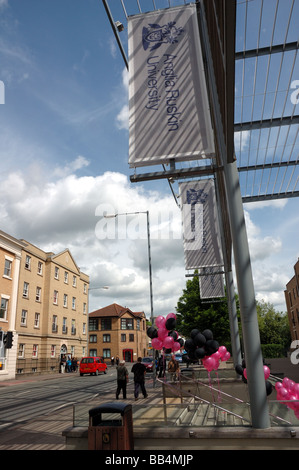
156, 35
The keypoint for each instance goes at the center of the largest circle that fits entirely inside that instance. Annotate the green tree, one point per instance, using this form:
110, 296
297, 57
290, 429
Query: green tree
193, 312
273, 325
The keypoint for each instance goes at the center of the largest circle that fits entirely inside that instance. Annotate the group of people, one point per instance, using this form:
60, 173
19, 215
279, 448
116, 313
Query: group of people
139, 371
68, 364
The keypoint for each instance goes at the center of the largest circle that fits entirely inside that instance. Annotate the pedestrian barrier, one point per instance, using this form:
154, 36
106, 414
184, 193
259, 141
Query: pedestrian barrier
113, 433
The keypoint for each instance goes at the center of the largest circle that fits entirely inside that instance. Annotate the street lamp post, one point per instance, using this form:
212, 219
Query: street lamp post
89, 289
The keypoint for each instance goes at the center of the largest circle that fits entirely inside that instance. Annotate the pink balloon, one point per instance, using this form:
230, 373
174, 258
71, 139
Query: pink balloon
171, 315
168, 342
216, 355
292, 405
291, 385
226, 356
160, 321
278, 386
162, 333
296, 390
283, 394
245, 373
157, 344
176, 346
266, 372
209, 363
222, 350
285, 382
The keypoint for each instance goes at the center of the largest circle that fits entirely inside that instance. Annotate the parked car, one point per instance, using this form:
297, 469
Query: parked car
148, 362
92, 366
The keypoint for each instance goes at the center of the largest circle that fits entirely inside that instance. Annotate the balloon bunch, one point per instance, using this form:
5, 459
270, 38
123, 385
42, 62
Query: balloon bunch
164, 337
288, 390
202, 345
241, 370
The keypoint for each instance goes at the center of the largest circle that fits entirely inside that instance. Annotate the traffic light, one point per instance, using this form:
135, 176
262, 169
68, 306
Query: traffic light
8, 339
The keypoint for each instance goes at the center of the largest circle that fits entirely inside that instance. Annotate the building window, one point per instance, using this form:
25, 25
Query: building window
73, 327
84, 288
35, 351
65, 300
53, 350
93, 352
131, 338
137, 324
84, 329
64, 325
28, 262
123, 337
74, 281
105, 323
55, 297
3, 308
93, 338
38, 296
127, 324
7, 268
106, 353
21, 352
74, 303
84, 308
66, 277
40, 268
56, 273
26, 290
106, 338
93, 324
36, 320
24, 318
54, 324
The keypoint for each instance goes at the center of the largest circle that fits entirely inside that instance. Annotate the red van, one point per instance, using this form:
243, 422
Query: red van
92, 365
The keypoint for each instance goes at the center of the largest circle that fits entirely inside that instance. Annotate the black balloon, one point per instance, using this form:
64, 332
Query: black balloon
269, 387
170, 323
211, 346
189, 344
199, 339
239, 369
173, 334
199, 353
181, 341
194, 332
208, 334
152, 332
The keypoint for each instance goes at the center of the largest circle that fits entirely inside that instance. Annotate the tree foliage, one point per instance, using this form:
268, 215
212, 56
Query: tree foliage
193, 312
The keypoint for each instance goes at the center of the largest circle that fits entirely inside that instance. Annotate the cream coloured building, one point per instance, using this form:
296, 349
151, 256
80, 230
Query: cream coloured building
10, 260
51, 317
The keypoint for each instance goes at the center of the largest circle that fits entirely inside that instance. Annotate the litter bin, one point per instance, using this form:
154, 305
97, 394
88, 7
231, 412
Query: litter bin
114, 433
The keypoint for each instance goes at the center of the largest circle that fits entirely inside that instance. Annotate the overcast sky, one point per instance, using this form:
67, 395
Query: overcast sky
64, 163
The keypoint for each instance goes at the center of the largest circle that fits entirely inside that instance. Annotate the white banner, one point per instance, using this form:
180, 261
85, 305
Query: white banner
202, 246
211, 283
168, 102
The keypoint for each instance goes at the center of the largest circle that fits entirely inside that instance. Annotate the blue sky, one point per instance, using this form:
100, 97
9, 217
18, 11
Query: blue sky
64, 160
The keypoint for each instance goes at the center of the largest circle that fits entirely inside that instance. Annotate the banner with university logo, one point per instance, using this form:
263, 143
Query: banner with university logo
211, 283
169, 116
202, 247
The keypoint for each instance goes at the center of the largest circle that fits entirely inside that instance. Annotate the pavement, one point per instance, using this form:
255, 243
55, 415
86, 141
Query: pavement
45, 432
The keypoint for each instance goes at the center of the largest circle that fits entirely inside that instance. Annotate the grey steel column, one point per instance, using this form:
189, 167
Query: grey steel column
250, 329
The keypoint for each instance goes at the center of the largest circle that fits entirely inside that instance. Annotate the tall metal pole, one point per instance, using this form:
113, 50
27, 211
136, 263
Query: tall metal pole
150, 266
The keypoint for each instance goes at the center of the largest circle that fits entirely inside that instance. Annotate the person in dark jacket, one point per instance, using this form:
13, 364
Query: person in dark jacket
139, 371
122, 379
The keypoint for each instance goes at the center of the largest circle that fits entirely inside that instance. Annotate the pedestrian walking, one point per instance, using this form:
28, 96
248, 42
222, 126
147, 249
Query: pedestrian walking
139, 371
161, 366
122, 379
